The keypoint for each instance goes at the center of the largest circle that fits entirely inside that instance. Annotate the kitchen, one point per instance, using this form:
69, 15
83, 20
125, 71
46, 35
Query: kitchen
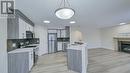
22, 46
37, 38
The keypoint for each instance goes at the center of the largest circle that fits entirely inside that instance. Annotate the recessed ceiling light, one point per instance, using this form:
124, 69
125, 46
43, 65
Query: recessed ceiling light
72, 22
122, 23
46, 21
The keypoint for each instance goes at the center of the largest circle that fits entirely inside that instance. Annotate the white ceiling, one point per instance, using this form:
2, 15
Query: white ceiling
97, 13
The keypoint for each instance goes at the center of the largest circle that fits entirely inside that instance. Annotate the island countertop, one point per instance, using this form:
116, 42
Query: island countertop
77, 46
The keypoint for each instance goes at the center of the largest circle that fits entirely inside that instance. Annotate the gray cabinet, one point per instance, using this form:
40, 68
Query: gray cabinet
13, 27
67, 28
74, 58
77, 57
18, 62
16, 28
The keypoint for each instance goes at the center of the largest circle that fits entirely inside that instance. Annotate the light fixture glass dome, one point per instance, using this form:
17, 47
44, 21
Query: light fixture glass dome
64, 13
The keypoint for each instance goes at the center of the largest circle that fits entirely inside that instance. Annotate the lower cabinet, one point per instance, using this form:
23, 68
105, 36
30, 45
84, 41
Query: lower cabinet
31, 60
18, 62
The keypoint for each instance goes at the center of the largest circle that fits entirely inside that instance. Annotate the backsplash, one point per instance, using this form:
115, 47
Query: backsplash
13, 44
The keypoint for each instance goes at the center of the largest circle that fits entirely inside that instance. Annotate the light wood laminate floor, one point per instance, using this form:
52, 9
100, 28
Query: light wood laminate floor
100, 61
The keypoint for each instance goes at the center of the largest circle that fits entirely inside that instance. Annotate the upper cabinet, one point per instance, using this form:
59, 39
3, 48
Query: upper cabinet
61, 33
18, 26
22, 29
29, 27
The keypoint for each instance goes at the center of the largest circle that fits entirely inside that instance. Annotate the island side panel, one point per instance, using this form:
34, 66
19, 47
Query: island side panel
74, 58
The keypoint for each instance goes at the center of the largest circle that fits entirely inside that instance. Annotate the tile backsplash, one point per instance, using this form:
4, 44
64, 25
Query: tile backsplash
13, 44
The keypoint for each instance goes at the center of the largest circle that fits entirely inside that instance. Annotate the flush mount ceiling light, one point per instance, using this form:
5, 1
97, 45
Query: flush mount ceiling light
72, 22
46, 21
64, 11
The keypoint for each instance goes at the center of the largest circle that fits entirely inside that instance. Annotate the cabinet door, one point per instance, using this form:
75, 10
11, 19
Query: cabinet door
31, 60
58, 33
18, 63
59, 46
63, 33
13, 28
52, 31
29, 27
22, 29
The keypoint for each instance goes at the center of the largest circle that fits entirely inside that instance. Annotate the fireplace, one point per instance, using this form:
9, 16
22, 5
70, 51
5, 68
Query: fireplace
124, 46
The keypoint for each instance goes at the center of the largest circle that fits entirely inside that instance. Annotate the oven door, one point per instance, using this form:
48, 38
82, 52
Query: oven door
36, 55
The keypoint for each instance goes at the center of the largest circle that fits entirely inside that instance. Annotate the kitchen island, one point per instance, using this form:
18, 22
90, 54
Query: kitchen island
77, 58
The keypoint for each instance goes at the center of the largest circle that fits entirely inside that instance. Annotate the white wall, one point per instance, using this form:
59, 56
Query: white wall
41, 32
107, 35
90, 35
3, 45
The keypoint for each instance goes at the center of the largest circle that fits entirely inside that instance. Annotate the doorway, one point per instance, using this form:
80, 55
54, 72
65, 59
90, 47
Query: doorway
52, 43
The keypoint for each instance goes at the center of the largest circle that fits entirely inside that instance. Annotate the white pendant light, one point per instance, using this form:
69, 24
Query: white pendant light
65, 12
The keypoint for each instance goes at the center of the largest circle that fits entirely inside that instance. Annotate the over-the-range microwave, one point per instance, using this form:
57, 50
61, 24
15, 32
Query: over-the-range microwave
29, 34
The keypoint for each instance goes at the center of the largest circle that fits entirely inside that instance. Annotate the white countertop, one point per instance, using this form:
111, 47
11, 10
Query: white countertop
18, 50
77, 47
21, 50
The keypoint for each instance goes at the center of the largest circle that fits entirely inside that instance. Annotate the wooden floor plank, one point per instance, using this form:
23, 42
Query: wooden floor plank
100, 61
